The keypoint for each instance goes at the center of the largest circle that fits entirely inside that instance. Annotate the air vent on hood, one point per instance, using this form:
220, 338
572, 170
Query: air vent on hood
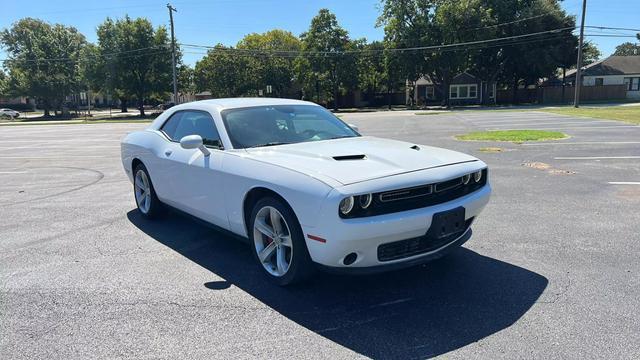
349, 157
416, 147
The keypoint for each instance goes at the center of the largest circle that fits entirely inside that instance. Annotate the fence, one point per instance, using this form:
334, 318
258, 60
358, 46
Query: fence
553, 94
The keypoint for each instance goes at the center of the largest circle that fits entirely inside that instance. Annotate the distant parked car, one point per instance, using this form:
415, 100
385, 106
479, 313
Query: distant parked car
9, 113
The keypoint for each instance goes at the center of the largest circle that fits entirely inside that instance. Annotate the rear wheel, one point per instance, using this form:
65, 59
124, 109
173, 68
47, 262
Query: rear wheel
146, 199
278, 242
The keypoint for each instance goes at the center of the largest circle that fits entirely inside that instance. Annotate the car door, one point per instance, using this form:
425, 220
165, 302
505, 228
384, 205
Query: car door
195, 179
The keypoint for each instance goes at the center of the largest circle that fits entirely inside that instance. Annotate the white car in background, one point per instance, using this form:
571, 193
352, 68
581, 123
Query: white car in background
305, 188
9, 113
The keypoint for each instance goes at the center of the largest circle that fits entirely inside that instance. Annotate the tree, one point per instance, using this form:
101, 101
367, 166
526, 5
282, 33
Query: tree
137, 58
186, 79
430, 23
326, 57
371, 67
628, 48
223, 72
271, 60
4, 84
43, 60
590, 53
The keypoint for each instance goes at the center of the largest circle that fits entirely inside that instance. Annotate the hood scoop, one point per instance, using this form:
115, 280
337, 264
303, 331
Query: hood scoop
349, 157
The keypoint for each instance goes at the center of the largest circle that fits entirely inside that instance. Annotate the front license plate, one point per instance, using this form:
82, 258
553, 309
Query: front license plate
447, 223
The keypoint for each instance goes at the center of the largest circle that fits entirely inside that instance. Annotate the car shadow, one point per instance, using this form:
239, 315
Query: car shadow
419, 312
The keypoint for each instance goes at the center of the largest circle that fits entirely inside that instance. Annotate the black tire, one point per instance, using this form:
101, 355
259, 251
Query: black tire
155, 207
300, 265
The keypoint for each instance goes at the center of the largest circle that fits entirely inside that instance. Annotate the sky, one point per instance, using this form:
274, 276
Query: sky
208, 22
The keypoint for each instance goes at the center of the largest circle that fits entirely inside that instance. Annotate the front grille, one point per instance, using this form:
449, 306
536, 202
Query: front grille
417, 197
419, 245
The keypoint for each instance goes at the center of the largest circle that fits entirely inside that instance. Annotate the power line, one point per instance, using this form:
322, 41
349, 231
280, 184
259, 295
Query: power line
417, 48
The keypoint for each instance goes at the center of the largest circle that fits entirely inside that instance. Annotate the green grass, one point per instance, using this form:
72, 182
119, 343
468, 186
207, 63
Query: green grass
629, 114
516, 136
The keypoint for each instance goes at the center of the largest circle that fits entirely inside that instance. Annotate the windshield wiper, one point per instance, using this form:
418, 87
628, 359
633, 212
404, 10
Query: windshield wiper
273, 143
339, 137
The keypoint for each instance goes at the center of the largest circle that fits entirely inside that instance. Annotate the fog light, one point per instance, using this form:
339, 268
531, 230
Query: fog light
365, 200
466, 178
477, 176
350, 259
346, 205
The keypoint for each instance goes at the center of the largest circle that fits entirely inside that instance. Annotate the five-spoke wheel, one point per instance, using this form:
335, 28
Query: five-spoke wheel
278, 242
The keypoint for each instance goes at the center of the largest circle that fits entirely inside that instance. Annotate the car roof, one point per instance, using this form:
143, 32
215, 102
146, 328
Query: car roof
232, 103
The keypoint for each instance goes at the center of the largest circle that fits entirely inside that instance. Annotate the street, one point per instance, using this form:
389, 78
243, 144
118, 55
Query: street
551, 271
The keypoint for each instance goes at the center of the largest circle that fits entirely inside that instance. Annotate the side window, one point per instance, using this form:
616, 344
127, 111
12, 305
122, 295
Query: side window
170, 126
186, 123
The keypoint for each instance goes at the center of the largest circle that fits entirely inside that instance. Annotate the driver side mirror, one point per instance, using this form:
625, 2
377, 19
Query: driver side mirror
194, 142
354, 127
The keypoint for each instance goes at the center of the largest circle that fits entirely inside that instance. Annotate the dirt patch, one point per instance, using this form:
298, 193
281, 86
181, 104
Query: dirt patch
548, 168
491, 150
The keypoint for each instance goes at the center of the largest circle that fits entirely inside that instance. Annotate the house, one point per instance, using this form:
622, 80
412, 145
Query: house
614, 70
465, 89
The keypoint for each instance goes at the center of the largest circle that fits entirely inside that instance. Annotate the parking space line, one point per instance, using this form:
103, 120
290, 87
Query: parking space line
624, 182
596, 157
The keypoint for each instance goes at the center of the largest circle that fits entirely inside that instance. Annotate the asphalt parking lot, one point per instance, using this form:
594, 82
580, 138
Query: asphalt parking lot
552, 271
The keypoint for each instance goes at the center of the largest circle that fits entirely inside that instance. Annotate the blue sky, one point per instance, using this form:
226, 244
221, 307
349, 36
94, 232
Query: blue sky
208, 22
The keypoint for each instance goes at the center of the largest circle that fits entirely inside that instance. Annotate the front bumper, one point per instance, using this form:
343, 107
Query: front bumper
363, 236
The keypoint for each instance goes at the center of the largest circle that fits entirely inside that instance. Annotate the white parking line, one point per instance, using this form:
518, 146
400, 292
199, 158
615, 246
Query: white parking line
54, 157
596, 157
624, 183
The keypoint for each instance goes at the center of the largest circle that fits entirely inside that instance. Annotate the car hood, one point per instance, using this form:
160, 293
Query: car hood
353, 160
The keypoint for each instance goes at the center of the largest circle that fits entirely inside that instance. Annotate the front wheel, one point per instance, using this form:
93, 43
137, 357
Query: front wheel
278, 241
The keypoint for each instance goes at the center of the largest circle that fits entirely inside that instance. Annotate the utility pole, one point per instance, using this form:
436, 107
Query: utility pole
578, 83
173, 54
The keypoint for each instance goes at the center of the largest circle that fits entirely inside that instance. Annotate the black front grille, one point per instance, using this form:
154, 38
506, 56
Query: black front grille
419, 245
417, 197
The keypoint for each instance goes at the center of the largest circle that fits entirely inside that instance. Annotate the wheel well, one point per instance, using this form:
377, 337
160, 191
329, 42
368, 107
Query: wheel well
252, 197
135, 163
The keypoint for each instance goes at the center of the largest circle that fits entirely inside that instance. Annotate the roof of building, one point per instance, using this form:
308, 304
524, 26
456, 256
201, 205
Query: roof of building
613, 65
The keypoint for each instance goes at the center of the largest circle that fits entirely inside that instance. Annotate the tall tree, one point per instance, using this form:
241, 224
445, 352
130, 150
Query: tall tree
186, 80
326, 53
272, 60
42, 60
223, 72
414, 23
371, 67
4, 84
137, 58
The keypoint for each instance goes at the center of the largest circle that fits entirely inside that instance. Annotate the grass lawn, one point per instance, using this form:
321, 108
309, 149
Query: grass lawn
516, 136
629, 114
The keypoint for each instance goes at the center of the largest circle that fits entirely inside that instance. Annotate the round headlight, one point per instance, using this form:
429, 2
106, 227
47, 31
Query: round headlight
466, 178
346, 205
477, 176
365, 200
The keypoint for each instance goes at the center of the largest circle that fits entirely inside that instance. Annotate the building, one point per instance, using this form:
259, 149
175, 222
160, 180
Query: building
614, 70
465, 89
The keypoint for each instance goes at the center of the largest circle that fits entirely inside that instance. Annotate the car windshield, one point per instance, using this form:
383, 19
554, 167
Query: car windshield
282, 124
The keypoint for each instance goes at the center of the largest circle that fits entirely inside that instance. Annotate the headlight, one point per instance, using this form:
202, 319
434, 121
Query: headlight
477, 176
365, 200
466, 178
346, 205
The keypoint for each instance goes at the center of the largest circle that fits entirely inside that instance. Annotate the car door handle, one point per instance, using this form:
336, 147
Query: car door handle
168, 152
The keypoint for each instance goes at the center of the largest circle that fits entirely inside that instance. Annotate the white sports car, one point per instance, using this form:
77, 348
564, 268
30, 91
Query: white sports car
305, 188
